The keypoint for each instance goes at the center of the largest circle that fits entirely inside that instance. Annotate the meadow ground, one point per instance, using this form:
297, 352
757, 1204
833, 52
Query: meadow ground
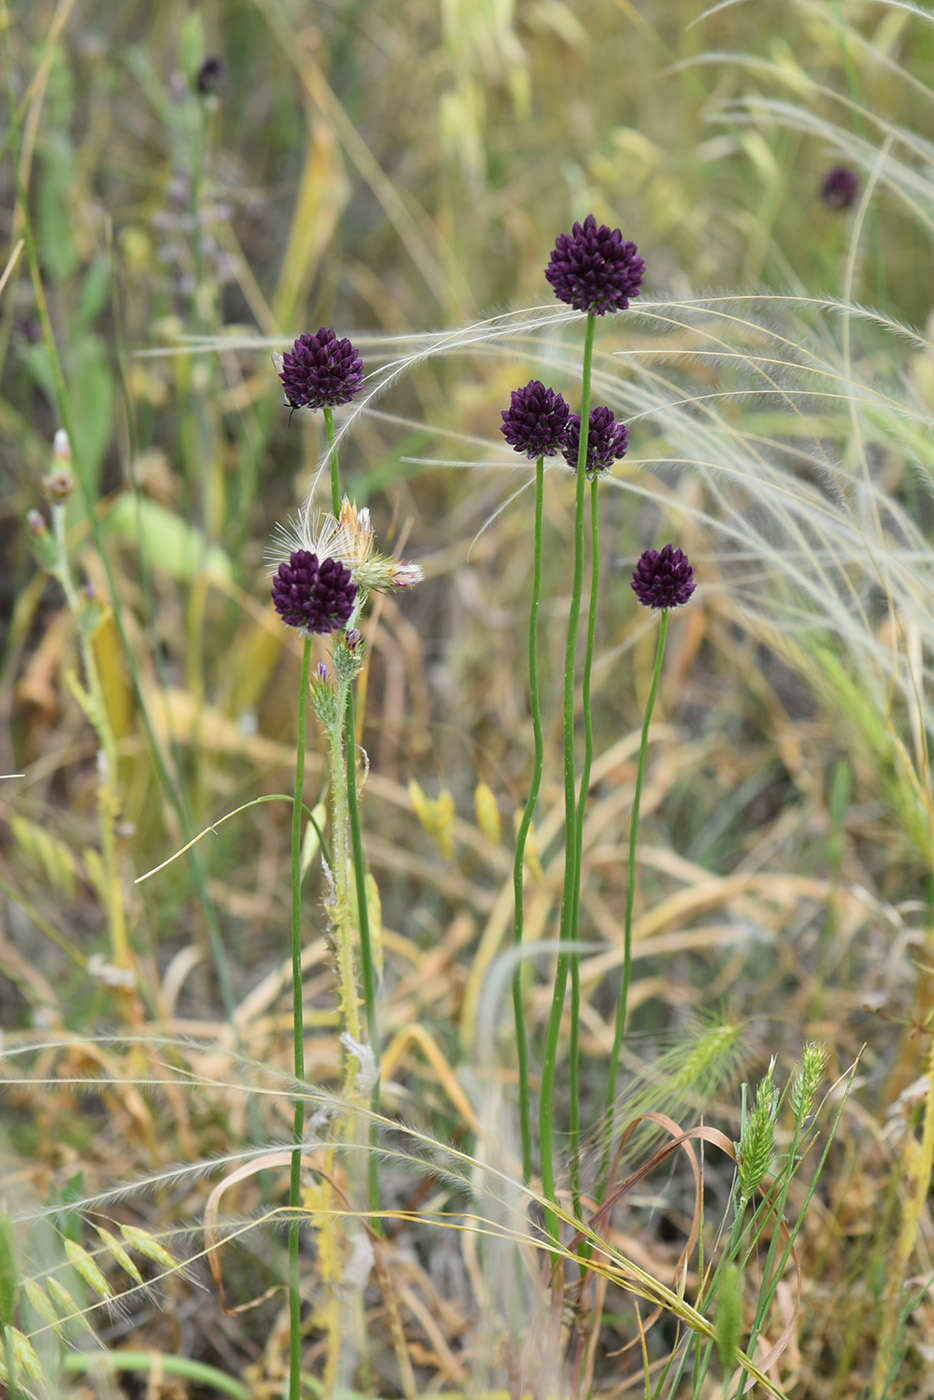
186, 190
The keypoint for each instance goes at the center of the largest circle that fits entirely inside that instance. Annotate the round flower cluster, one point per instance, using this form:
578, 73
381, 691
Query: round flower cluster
539, 423
594, 268
535, 421
313, 595
839, 187
607, 441
663, 578
320, 371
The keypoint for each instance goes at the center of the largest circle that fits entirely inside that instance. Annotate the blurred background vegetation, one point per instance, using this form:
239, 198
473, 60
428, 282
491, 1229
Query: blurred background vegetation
205, 182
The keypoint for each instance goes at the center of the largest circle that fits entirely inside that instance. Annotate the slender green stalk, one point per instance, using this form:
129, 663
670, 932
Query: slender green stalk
535, 701
574, 1051
549, 1059
298, 1028
623, 1003
335, 471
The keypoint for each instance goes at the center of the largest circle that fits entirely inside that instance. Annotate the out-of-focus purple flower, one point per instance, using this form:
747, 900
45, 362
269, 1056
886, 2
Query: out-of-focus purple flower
840, 187
594, 268
535, 420
313, 595
663, 579
607, 441
210, 76
320, 371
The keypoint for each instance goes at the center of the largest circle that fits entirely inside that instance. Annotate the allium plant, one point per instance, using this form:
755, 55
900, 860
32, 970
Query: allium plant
535, 424
321, 371
595, 270
323, 572
663, 579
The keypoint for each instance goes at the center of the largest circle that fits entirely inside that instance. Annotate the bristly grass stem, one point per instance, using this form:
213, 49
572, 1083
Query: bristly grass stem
549, 1059
363, 915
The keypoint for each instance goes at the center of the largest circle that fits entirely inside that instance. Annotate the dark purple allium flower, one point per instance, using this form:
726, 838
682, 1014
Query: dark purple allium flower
535, 420
210, 76
311, 595
840, 187
663, 579
321, 371
607, 440
595, 269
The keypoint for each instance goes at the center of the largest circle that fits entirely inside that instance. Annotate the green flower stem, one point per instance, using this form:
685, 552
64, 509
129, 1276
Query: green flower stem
335, 473
549, 1059
574, 1052
522, 1046
298, 1029
623, 1003
366, 956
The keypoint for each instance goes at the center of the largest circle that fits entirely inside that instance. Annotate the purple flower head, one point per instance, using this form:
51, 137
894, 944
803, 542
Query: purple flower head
535, 421
210, 76
321, 371
313, 595
840, 187
607, 441
595, 269
663, 579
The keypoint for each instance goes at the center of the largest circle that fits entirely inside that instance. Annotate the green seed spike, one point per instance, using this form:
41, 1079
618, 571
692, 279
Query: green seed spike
24, 1355
40, 1304
82, 1262
141, 1240
119, 1253
68, 1309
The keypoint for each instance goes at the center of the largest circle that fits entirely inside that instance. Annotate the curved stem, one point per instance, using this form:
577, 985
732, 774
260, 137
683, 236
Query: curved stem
298, 1029
622, 1005
522, 1047
549, 1059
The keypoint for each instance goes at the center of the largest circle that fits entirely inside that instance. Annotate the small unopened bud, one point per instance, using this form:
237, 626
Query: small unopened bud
61, 447
36, 522
405, 575
353, 637
59, 485
322, 671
